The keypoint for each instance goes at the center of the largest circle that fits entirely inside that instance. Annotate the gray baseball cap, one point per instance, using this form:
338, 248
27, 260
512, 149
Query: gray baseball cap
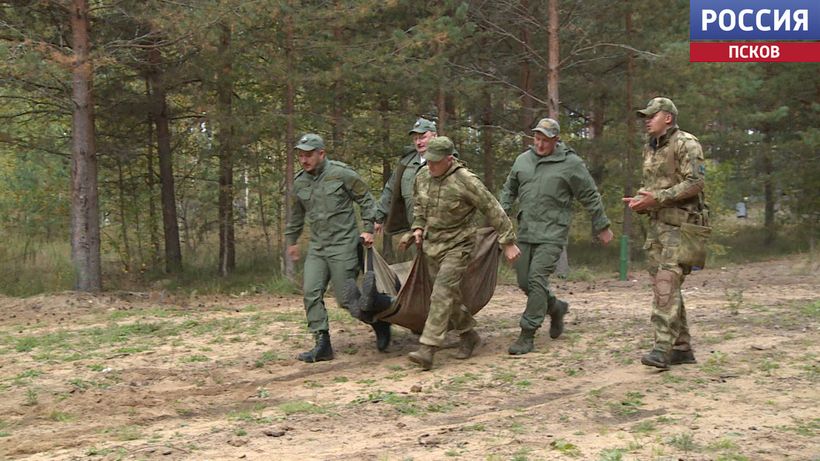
423, 125
310, 142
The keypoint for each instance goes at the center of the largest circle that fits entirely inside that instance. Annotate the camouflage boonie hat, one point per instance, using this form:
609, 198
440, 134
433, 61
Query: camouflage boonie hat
310, 142
656, 105
423, 125
438, 148
548, 127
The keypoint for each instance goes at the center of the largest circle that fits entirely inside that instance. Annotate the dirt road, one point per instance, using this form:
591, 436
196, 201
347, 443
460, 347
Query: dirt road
153, 376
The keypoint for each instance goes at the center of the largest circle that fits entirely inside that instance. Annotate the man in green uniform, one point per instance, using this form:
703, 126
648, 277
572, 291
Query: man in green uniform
671, 194
394, 212
446, 198
545, 180
323, 196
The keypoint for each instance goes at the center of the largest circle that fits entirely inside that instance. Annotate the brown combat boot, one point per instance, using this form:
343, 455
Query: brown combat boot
467, 344
423, 356
681, 357
656, 358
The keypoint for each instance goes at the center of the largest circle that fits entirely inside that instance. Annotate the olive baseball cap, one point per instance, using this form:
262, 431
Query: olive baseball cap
423, 125
656, 105
438, 148
310, 142
548, 127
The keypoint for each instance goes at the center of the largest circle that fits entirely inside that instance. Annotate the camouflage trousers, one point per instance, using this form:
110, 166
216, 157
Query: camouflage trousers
446, 311
319, 270
533, 269
668, 310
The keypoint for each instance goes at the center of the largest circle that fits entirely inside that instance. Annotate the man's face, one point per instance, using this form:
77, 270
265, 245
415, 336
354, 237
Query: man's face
311, 159
543, 144
440, 167
657, 124
421, 140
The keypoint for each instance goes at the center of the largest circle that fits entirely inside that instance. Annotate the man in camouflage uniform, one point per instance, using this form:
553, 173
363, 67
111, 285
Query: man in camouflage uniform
671, 194
545, 180
446, 198
323, 195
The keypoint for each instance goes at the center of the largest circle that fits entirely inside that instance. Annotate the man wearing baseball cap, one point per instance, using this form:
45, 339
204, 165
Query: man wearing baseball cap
672, 195
394, 212
544, 181
446, 198
323, 196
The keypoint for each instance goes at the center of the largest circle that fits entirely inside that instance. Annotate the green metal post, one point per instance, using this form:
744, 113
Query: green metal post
624, 256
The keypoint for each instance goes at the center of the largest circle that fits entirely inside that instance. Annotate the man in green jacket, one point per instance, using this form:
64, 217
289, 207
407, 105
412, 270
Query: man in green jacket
672, 195
323, 196
446, 198
545, 180
394, 211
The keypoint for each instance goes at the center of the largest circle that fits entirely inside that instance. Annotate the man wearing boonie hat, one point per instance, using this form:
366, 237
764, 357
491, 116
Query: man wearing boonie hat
323, 196
446, 198
544, 181
672, 193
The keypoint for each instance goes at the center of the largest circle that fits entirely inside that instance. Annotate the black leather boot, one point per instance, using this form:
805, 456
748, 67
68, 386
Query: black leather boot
381, 302
321, 351
382, 330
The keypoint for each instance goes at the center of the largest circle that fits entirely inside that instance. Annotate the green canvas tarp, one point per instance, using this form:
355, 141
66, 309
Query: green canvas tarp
413, 298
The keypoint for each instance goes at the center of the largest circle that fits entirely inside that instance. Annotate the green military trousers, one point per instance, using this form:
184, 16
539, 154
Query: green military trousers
446, 311
319, 270
533, 268
668, 311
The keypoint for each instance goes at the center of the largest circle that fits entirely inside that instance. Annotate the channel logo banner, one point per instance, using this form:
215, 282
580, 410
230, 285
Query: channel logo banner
754, 31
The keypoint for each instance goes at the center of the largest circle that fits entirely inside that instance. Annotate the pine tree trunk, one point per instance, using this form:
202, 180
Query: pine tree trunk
630, 133
527, 101
553, 60
85, 224
126, 248
159, 109
290, 140
562, 268
487, 141
150, 181
227, 248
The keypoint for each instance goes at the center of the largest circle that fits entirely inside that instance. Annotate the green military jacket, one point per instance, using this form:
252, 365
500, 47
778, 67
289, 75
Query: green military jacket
545, 187
674, 170
325, 202
445, 207
408, 166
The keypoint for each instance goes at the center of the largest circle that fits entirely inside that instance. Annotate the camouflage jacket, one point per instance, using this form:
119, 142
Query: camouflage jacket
674, 170
445, 207
545, 187
409, 165
325, 202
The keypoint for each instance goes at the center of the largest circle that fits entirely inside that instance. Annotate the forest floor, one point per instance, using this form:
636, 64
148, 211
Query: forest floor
158, 376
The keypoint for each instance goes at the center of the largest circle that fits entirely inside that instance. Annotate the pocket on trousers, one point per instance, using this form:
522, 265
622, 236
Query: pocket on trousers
693, 240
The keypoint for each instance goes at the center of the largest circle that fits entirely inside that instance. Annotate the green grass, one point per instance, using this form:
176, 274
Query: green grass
565, 448
301, 407
404, 404
684, 441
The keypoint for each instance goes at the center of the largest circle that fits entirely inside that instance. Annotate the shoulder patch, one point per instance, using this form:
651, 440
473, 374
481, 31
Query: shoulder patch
340, 164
